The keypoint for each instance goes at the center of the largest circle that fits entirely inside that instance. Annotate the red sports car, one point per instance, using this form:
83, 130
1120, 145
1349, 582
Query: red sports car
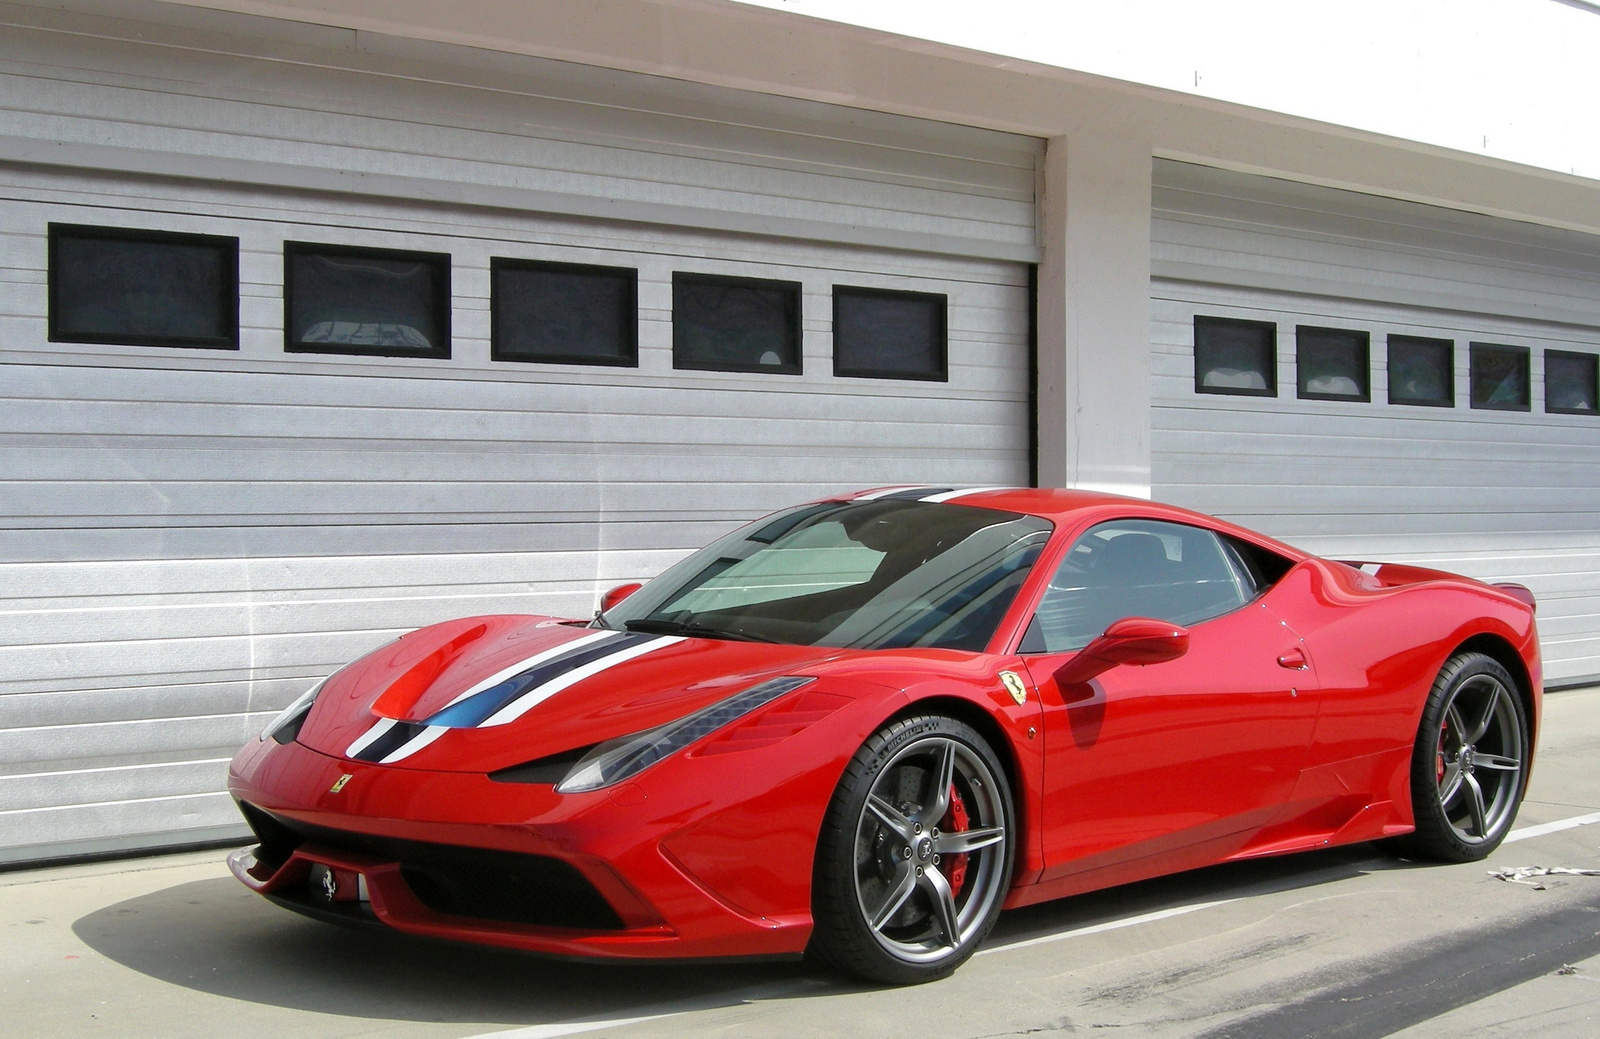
860, 728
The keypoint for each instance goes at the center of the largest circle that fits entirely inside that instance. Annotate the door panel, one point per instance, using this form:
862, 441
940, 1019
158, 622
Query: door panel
1145, 761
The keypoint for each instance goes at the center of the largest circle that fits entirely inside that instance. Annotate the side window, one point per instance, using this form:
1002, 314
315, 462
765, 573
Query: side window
1138, 568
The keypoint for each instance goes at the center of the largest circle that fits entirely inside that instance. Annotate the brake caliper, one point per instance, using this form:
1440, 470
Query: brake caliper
955, 821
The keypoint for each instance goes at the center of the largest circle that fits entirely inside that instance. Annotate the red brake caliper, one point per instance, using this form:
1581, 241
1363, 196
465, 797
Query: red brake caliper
955, 821
1438, 761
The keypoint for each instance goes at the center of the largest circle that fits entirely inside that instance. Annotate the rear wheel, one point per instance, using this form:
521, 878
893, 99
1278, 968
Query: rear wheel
1469, 766
914, 858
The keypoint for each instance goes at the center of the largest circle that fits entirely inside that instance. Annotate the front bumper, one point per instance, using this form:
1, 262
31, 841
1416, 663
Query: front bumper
625, 873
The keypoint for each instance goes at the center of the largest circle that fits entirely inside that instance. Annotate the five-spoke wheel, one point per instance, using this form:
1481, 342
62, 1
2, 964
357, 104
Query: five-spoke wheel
915, 857
1469, 768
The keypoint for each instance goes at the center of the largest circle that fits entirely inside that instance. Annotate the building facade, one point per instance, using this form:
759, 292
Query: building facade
320, 324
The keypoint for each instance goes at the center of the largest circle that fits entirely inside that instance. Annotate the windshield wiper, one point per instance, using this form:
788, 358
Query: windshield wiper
661, 626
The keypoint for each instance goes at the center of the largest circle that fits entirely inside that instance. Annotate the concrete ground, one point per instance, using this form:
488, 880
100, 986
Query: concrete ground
1348, 942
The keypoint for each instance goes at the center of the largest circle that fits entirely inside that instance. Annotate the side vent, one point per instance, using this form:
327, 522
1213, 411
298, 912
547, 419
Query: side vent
765, 728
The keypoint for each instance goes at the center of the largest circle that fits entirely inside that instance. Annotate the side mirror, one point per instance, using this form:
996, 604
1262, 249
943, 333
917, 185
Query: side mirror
617, 594
1132, 640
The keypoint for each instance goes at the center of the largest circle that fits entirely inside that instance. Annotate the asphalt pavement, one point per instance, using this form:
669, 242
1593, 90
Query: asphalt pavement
1349, 942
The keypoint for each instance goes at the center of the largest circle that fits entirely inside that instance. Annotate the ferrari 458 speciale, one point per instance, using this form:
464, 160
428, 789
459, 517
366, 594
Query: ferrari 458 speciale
860, 728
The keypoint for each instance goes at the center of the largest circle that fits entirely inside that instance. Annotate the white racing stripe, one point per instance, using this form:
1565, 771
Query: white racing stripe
533, 661
961, 493
1523, 833
522, 705
414, 744
370, 737
885, 492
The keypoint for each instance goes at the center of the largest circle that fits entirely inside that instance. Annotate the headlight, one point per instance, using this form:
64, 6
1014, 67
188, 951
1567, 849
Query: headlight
618, 759
286, 725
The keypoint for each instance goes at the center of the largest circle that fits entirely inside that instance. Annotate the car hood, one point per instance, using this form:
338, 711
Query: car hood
487, 693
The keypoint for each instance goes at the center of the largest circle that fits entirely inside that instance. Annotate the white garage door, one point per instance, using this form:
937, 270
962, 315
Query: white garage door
1489, 483
192, 537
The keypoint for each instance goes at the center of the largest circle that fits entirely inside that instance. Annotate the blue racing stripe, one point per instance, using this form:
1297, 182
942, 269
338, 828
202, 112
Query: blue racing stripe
474, 709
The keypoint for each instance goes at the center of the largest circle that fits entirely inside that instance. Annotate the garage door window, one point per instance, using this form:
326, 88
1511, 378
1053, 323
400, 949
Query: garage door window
879, 334
377, 302
1500, 377
1422, 371
563, 313
724, 324
1238, 357
1570, 383
143, 288
1332, 363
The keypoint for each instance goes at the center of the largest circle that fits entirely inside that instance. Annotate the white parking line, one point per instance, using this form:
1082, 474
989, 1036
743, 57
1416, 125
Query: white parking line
1525, 832
555, 1031
1109, 925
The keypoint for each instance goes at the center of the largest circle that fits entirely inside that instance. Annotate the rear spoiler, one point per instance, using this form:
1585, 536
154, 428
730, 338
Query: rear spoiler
1394, 574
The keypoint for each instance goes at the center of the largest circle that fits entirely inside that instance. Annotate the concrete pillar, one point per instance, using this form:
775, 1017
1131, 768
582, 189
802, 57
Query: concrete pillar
1094, 315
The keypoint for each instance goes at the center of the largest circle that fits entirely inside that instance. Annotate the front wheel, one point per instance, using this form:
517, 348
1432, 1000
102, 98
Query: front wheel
1469, 766
915, 853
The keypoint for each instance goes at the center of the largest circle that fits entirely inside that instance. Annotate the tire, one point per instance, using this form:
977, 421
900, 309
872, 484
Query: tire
915, 855
1469, 766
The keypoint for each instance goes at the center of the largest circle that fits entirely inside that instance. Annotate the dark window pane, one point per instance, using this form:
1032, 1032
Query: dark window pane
1500, 377
1422, 371
383, 302
1332, 363
735, 324
1570, 383
888, 335
564, 313
1134, 568
143, 288
1235, 357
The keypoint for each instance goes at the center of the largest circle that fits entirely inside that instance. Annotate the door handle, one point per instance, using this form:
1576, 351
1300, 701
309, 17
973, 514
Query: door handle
1294, 660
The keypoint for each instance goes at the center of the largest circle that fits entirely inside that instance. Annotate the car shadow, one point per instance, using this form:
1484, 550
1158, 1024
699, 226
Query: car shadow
1231, 880
217, 937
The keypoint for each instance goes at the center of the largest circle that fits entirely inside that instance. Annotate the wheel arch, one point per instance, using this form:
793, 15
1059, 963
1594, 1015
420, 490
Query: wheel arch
1501, 651
1004, 747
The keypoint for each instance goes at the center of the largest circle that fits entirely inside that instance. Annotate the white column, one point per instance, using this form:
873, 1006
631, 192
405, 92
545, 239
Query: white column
1094, 315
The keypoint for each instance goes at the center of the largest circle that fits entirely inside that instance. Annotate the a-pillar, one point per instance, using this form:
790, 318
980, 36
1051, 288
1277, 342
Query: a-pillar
1094, 315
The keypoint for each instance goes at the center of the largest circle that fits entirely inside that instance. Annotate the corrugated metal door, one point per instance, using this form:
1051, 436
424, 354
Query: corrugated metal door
191, 538
1492, 494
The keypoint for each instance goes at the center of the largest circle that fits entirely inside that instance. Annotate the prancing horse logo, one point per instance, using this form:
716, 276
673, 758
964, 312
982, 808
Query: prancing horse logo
338, 784
1014, 686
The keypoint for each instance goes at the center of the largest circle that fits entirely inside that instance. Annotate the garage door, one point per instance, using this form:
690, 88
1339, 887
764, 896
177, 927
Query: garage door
194, 534
1429, 395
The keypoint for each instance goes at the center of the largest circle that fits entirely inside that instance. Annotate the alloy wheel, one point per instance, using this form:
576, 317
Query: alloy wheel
930, 851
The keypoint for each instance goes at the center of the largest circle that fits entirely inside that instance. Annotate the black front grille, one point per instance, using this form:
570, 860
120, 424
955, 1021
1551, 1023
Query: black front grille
459, 881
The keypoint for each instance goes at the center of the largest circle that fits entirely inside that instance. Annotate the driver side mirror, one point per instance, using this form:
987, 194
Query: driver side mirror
617, 594
1132, 640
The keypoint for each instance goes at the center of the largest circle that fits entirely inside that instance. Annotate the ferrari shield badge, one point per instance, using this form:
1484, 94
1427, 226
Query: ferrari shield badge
338, 784
1014, 686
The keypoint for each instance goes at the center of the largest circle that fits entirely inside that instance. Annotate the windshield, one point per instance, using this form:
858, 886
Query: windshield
875, 574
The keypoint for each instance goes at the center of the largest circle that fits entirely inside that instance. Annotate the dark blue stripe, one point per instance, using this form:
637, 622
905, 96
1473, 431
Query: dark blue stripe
913, 493
476, 708
391, 741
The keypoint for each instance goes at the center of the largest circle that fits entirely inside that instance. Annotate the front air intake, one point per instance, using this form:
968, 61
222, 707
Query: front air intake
455, 880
